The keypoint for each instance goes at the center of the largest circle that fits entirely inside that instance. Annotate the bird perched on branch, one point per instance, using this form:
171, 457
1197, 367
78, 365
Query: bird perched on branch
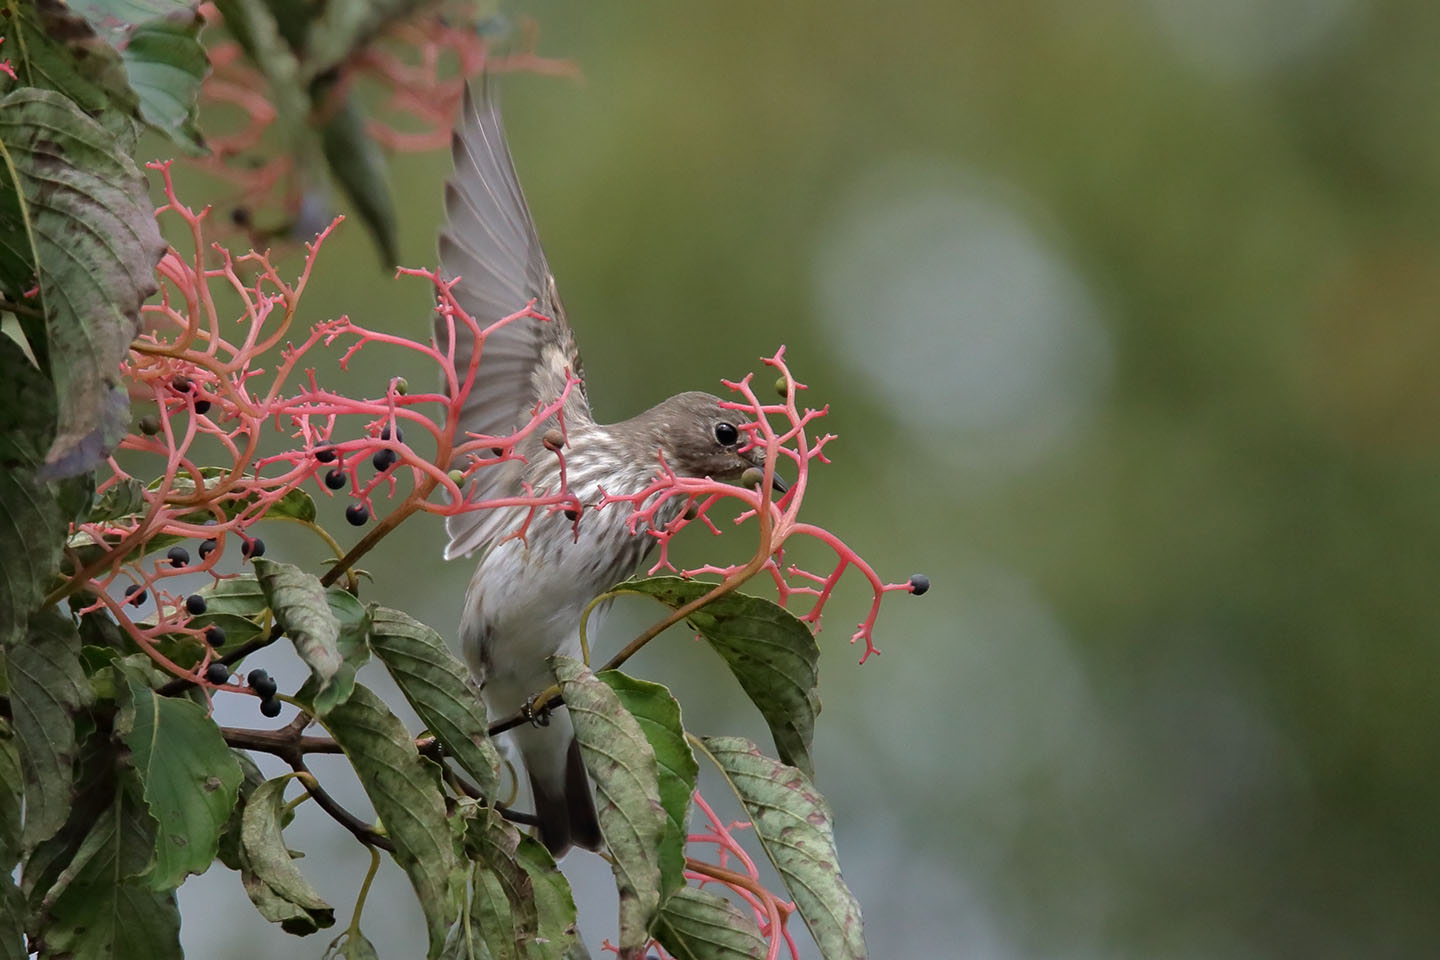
527, 594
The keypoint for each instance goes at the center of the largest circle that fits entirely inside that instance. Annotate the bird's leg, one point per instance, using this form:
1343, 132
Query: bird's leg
537, 717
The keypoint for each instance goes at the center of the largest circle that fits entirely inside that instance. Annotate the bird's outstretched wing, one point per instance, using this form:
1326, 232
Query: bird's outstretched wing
490, 243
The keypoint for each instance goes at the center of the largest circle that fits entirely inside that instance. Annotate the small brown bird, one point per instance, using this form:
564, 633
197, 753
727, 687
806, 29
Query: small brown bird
526, 597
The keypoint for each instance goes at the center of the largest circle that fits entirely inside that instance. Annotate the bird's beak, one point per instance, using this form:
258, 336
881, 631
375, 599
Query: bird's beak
778, 485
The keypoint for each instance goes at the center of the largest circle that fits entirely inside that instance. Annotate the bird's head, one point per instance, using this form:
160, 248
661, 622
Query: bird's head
700, 438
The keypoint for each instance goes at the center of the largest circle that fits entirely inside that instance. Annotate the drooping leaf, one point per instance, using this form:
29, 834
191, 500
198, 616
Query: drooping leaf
96, 245
272, 879
794, 825
27, 400
439, 688
354, 619
699, 925
166, 65
404, 788
47, 688
771, 653
188, 776
164, 62
300, 605
358, 166
31, 527
502, 896
251, 780
658, 714
622, 764
554, 903
351, 945
96, 909
12, 920
12, 796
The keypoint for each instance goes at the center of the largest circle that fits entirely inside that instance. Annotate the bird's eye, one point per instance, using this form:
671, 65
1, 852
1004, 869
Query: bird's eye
726, 433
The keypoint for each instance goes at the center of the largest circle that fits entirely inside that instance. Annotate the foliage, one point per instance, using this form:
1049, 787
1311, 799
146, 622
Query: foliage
118, 783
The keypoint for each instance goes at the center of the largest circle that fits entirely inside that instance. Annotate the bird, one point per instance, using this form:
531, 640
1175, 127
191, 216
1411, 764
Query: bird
527, 595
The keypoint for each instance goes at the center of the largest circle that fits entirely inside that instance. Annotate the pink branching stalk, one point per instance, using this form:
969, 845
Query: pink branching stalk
792, 441
207, 383
420, 67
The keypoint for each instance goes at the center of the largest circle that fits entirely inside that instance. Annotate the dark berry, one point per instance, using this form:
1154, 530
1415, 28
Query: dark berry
240, 216
149, 426
383, 459
270, 707
571, 514
215, 636
195, 604
262, 683
217, 673
178, 556
399, 435
356, 514
136, 594
335, 479
919, 584
206, 548
253, 548
181, 384
326, 454
202, 406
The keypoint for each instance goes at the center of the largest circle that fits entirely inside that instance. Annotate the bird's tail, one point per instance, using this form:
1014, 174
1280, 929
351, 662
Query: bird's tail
561, 788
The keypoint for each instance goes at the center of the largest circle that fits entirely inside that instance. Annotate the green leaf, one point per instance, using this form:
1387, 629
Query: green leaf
794, 825
47, 688
622, 764
228, 851
554, 903
166, 65
404, 788
351, 945
164, 62
96, 909
239, 596
96, 245
27, 400
770, 651
122, 499
12, 796
275, 884
12, 920
32, 529
354, 620
658, 714
700, 925
502, 897
50, 46
358, 166
439, 688
189, 778
300, 604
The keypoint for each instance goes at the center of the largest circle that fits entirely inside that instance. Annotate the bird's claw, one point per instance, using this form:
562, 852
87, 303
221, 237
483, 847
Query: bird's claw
537, 718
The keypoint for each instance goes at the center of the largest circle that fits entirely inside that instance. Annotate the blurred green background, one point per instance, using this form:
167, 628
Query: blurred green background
1126, 312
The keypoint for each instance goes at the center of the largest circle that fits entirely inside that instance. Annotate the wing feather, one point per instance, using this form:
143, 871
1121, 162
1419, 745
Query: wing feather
489, 241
